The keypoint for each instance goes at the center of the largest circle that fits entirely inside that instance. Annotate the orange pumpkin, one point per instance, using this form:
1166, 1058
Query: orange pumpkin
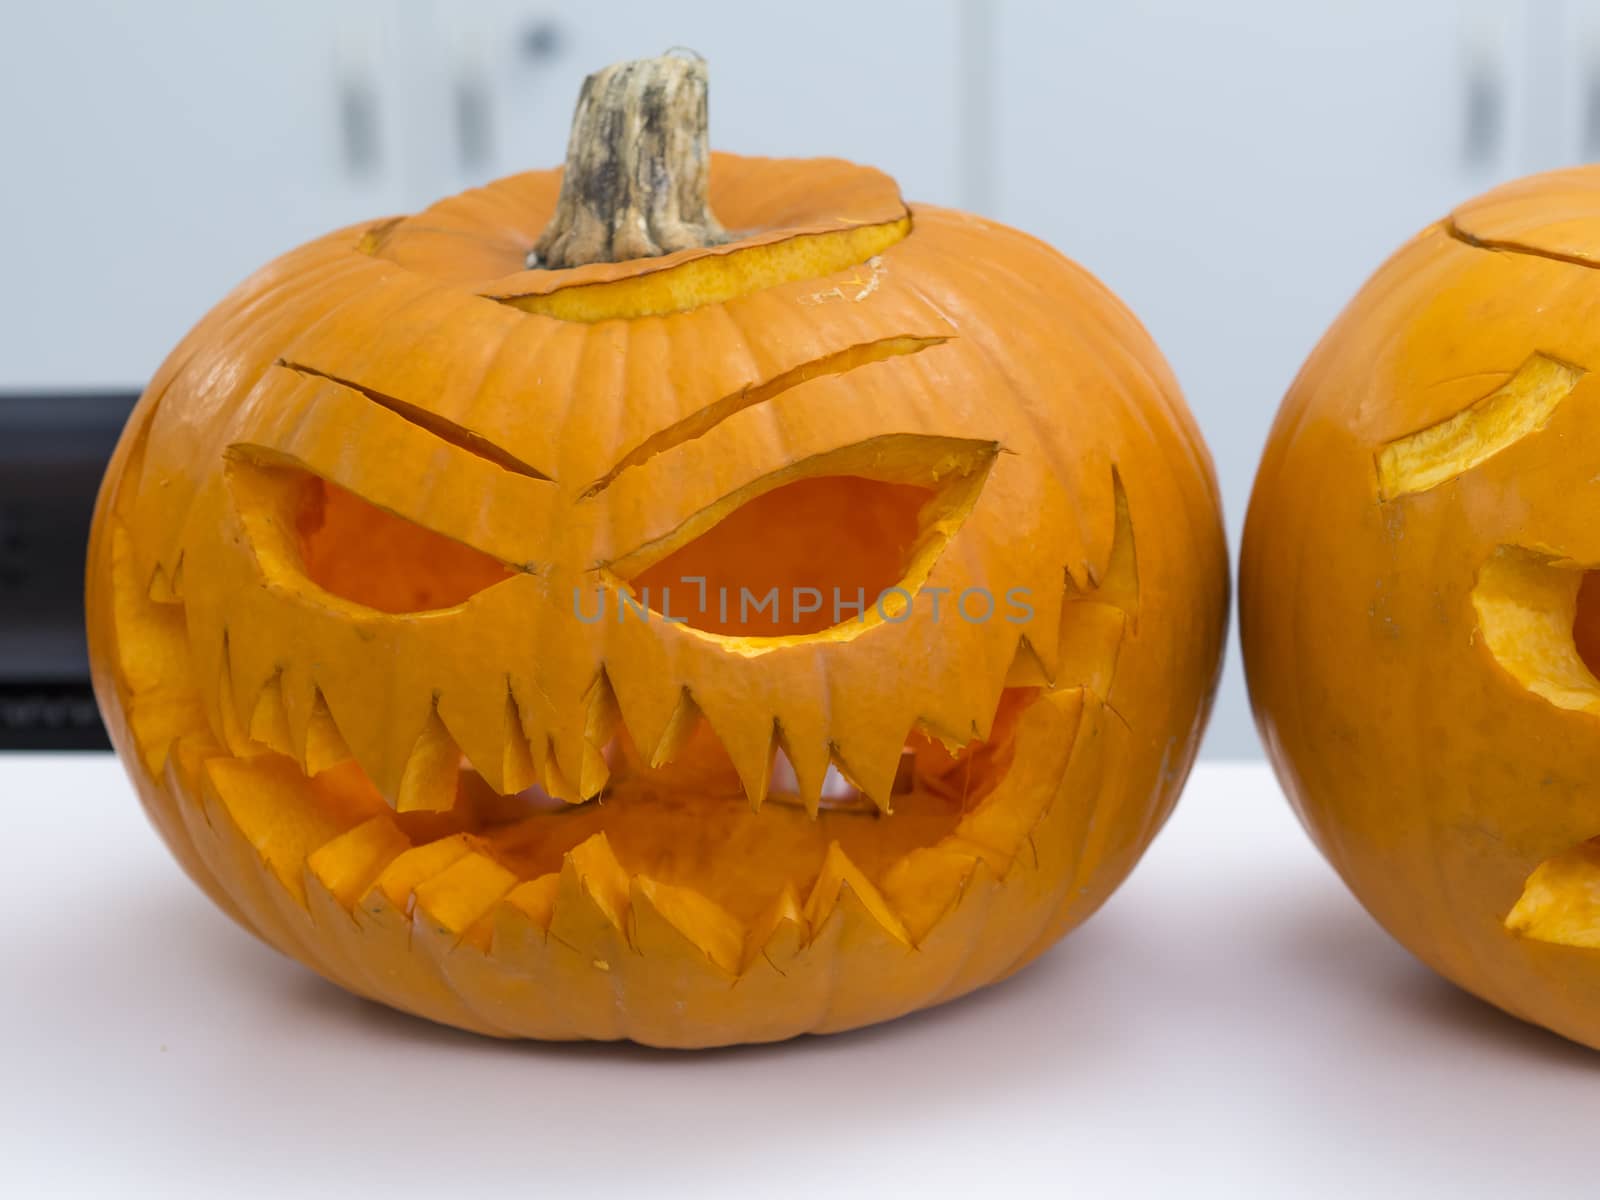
1419, 600
431, 595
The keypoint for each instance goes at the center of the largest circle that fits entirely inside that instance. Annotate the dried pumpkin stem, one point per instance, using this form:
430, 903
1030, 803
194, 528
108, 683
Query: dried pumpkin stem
637, 168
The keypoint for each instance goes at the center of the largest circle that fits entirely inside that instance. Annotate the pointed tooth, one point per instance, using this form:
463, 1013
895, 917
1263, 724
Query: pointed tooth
875, 778
431, 775
1091, 639
348, 865
592, 900
667, 920
603, 718
1120, 582
592, 867
166, 586
266, 800
555, 783
658, 722
324, 745
152, 646
749, 744
1095, 513
927, 884
399, 880
269, 722
962, 923
1027, 668
806, 769
1047, 732
867, 734
477, 721
252, 664
300, 698
779, 933
842, 885
384, 720
455, 899
527, 906
232, 731
158, 719
567, 764
1042, 630
518, 770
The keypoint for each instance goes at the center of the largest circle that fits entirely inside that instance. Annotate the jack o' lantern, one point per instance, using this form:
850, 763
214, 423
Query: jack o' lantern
686, 598
1420, 598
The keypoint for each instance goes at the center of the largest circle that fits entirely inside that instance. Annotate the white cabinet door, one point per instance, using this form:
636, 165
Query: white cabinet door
879, 83
1235, 169
154, 154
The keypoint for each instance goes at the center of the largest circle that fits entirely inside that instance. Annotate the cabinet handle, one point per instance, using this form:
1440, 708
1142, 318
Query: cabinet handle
542, 41
1480, 131
1591, 109
358, 126
474, 126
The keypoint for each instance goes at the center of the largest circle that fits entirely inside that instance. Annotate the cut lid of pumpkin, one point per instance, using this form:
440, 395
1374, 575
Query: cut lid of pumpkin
604, 241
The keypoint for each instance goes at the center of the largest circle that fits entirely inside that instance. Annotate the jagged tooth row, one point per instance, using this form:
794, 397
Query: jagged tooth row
814, 735
444, 929
295, 720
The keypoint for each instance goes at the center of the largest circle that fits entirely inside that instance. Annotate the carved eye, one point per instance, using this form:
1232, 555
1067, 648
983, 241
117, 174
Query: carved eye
808, 555
301, 524
1586, 623
1539, 617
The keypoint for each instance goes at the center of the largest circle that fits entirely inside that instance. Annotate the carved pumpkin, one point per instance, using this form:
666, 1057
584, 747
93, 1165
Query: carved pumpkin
1420, 605
432, 595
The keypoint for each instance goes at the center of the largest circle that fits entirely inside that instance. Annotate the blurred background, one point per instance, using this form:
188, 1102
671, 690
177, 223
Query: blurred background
1232, 168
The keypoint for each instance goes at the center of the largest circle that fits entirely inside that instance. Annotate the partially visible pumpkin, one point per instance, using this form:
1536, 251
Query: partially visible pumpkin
348, 561
1420, 601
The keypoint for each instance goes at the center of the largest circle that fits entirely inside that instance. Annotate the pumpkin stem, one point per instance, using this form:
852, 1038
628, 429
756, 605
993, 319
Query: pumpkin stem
637, 167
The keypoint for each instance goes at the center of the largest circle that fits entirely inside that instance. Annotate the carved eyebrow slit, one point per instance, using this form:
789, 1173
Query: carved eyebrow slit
701, 421
432, 423
1520, 406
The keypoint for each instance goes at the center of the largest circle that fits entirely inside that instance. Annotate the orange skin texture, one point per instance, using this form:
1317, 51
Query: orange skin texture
1428, 766
404, 363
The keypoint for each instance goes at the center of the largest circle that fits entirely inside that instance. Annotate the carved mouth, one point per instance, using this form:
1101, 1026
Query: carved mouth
1539, 615
684, 824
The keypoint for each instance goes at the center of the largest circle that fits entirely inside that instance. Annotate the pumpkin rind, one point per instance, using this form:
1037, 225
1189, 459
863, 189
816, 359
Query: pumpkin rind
337, 776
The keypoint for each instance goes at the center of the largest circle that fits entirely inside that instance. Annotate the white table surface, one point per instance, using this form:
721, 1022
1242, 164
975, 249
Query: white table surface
1231, 1024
